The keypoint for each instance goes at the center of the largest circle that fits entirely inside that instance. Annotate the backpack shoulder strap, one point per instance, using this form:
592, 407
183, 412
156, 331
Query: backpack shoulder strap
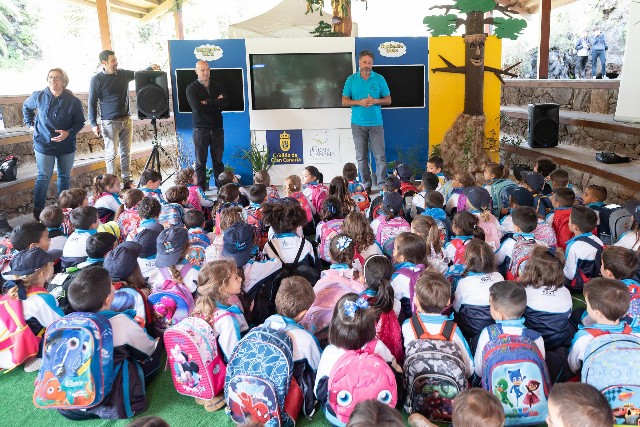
417, 326
165, 274
627, 329
273, 248
297, 259
371, 346
531, 334
448, 329
494, 331
595, 332
185, 269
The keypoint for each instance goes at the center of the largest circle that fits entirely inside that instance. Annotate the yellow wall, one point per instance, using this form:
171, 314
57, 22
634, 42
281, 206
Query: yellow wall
446, 90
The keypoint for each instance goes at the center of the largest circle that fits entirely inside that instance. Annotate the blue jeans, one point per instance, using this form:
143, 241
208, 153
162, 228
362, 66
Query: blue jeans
45, 171
595, 54
363, 138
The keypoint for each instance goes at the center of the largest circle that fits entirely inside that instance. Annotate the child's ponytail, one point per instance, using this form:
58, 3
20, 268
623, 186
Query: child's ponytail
315, 173
377, 275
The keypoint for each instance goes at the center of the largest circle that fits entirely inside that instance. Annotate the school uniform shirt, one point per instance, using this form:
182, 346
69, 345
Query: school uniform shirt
150, 223
582, 338
149, 271
156, 194
433, 324
548, 310
374, 226
305, 346
450, 249
509, 327
76, 245
190, 279
255, 271
473, 289
287, 245
579, 251
400, 284
373, 249
629, 240
419, 201
452, 203
506, 225
228, 327
58, 242
108, 201
126, 331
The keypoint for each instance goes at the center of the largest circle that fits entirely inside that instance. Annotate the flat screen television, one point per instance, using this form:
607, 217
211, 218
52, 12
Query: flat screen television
406, 84
231, 79
298, 80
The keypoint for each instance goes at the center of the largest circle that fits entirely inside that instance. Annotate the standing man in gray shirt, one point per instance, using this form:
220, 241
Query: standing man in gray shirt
110, 87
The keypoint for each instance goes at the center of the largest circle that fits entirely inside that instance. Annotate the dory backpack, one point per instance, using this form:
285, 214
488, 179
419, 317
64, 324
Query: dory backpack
77, 363
198, 243
197, 369
610, 365
515, 371
434, 372
259, 374
353, 369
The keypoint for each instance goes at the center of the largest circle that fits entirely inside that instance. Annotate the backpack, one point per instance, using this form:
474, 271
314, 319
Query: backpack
9, 169
319, 192
614, 222
198, 243
521, 251
171, 215
77, 363
434, 372
586, 270
462, 202
542, 204
327, 232
59, 287
406, 187
407, 310
544, 233
610, 365
16, 337
461, 247
144, 313
389, 332
561, 227
128, 221
302, 199
359, 195
509, 360
105, 215
172, 301
408, 204
258, 377
374, 209
501, 190
345, 387
263, 293
254, 217
388, 230
491, 231
197, 368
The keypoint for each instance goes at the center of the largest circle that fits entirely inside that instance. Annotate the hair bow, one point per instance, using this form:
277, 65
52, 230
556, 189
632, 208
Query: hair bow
552, 250
99, 177
331, 208
343, 242
350, 307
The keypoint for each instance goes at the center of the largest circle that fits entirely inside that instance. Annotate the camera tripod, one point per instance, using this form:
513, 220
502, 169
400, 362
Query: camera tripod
153, 162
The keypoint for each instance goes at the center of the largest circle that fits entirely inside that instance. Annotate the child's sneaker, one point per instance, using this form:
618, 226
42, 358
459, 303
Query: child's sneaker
214, 404
33, 365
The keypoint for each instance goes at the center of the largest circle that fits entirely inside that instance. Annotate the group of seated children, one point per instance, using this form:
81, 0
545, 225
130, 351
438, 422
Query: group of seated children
418, 284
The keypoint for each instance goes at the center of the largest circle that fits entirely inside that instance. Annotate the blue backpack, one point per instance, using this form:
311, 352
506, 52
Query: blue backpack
611, 365
501, 190
171, 215
77, 363
515, 371
258, 377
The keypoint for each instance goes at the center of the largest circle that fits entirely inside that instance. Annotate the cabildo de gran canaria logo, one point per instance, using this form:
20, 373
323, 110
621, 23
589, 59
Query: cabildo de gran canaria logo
285, 141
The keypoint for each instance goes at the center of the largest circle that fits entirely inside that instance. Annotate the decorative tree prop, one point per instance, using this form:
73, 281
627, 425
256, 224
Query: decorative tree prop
472, 117
341, 20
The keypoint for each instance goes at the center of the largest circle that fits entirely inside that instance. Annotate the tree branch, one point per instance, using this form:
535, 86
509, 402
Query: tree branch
450, 68
460, 22
447, 8
506, 9
498, 71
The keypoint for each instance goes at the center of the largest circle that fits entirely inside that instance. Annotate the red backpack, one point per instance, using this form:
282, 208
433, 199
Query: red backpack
16, 336
319, 192
461, 248
302, 199
561, 227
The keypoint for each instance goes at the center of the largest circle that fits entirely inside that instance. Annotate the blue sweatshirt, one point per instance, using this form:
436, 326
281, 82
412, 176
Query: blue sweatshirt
112, 90
63, 112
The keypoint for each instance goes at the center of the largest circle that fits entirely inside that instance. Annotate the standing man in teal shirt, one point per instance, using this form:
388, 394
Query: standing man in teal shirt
365, 92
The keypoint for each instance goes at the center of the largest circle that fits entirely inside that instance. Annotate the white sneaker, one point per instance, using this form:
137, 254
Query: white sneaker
33, 365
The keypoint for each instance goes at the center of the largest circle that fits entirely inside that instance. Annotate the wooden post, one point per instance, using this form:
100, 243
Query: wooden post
104, 22
545, 30
177, 18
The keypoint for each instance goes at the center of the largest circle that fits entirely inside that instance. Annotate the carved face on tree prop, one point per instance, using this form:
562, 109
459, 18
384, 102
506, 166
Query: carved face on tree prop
475, 47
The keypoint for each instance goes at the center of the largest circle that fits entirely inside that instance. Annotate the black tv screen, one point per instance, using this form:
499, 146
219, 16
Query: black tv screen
231, 79
406, 84
299, 80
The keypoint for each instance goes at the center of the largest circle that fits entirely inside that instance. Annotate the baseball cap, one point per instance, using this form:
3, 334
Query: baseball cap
238, 242
479, 197
121, 261
392, 203
633, 206
533, 180
147, 237
522, 197
110, 227
170, 245
28, 261
403, 171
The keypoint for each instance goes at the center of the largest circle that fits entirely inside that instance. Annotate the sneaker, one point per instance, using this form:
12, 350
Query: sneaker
33, 364
216, 403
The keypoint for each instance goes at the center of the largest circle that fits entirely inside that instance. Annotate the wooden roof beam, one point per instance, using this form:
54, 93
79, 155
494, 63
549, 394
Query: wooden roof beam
116, 4
158, 11
114, 8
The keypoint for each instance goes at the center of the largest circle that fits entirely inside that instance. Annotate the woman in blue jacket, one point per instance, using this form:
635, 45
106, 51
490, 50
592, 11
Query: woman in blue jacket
55, 116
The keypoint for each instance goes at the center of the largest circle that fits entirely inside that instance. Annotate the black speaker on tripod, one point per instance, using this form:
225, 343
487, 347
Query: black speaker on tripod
152, 94
543, 125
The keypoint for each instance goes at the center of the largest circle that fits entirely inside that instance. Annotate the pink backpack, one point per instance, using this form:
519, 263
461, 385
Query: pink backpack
491, 231
328, 230
302, 199
197, 369
16, 337
172, 302
357, 376
194, 199
128, 221
319, 192
388, 230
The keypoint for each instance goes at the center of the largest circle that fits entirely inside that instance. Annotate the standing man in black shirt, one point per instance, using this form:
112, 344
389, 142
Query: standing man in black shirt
207, 98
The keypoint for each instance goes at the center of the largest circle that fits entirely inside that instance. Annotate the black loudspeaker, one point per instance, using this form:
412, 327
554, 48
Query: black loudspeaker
152, 94
543, 125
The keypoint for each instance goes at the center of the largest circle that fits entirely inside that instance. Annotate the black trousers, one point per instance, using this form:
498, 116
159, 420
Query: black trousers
207, 141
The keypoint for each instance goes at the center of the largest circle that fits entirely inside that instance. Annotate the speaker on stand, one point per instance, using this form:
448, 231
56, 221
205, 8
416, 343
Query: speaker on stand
152, 96
544, 120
